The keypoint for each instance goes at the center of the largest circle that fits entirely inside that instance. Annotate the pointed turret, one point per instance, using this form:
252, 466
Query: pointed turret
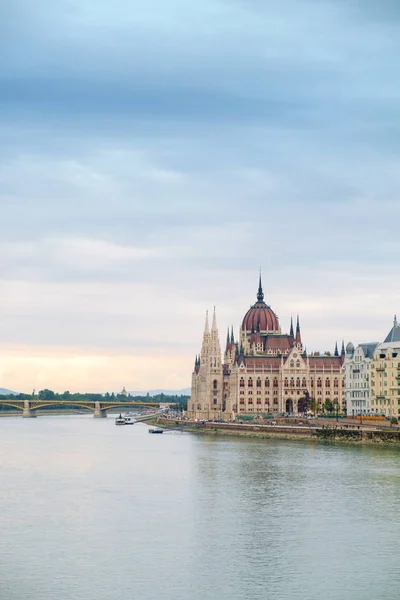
336, 350
206, 326
298, 334
260, 293
232, 336
214, 321
227, 337
343, 351
291, 328
206, 340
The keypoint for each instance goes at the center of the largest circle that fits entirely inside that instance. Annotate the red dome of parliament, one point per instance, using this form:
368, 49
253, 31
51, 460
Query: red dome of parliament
260, 317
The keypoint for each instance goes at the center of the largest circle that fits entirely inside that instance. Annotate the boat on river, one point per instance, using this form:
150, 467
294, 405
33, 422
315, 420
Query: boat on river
156, 430
125, 420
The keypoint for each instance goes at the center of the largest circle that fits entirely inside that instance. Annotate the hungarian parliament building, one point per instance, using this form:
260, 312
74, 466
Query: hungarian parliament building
264, 371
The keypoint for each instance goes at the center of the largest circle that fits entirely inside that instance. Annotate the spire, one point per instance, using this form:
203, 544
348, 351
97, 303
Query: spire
214, 321
260, 293
336, 350
343, 351
291, 327
298, 335
232, 336
227, 337
206, 326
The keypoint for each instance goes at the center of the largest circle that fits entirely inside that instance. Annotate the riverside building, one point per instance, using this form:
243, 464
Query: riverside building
357, 378
264, 371
385, 375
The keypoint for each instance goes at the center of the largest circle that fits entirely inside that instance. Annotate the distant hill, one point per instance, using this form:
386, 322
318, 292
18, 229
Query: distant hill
182, 392
4, 392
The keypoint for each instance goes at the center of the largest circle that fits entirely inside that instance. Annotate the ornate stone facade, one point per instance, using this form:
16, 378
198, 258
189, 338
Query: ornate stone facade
357, 366
385, 375
264, 371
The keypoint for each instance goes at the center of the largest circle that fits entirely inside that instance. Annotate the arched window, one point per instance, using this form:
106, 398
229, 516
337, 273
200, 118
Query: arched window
267, 383
275, 382
292, 364
286, 382
336, 382
312, 382
297, 364
250, 382
258, 382
298, 382
304, 383
291, 382
328, 382
241, 383
215, 384
319, 382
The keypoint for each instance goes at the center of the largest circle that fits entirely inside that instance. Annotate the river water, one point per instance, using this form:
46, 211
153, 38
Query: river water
90, 511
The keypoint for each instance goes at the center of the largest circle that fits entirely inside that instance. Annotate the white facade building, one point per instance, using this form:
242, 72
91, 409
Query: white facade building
357, 377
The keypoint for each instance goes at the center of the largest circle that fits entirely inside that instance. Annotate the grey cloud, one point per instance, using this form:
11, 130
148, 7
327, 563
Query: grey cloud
141, 191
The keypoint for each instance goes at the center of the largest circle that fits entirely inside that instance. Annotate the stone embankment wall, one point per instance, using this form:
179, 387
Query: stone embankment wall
367, 436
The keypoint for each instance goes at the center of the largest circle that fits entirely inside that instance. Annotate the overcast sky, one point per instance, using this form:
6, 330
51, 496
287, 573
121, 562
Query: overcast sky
153, 155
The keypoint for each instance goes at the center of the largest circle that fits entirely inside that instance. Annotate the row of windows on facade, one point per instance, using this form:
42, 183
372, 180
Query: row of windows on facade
286, 382
266, 402
384, 375
266, 393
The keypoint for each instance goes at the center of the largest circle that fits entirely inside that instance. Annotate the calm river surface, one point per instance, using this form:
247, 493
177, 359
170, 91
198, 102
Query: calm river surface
91, 511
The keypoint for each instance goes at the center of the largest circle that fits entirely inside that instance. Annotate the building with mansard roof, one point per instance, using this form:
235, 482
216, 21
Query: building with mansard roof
264, 371
385, 375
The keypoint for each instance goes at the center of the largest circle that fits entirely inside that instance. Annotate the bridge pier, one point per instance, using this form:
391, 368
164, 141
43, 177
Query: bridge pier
27, 412
99, 413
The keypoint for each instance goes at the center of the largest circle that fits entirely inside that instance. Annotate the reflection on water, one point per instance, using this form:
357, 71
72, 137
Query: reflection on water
90, 510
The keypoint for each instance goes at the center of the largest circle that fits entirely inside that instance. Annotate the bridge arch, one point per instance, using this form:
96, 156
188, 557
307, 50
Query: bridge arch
19, 406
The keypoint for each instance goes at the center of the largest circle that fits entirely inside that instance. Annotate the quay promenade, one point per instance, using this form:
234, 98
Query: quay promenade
332, 432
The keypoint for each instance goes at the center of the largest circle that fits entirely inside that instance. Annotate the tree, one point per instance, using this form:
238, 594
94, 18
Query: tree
46, 394
313, 405
328, 406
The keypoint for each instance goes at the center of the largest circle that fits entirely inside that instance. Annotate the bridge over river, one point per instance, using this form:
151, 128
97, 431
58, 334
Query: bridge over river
29, 407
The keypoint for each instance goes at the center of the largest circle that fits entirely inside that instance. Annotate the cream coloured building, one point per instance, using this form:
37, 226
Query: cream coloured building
357, 377
385, 375
264, 371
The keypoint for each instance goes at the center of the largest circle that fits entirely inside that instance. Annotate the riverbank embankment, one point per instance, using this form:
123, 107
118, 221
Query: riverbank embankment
331, 434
